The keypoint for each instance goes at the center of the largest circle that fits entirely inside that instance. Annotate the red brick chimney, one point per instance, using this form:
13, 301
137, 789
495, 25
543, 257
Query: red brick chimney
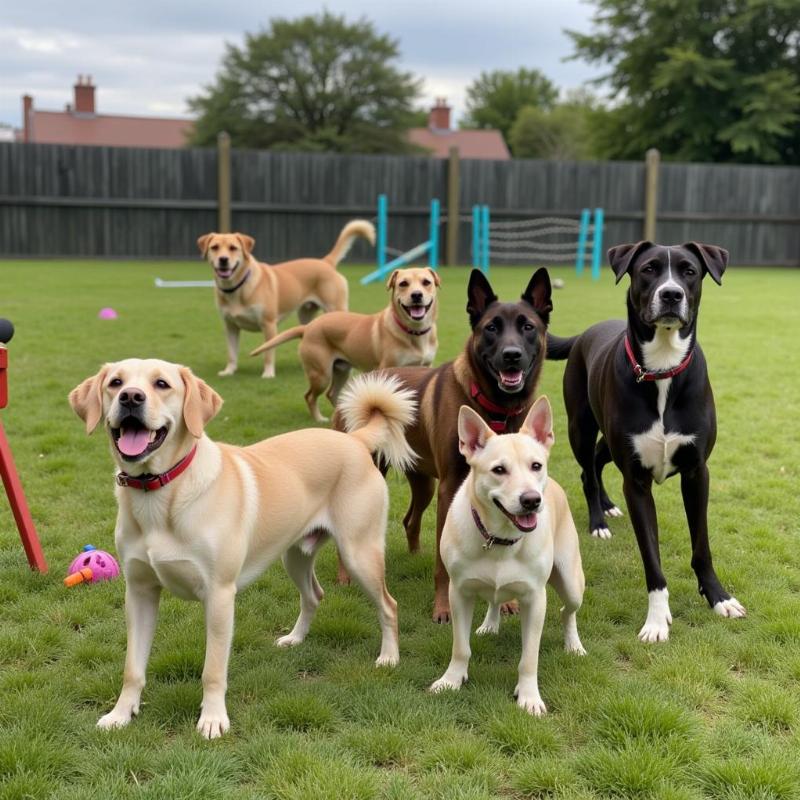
439, 118
84, 95
27, 118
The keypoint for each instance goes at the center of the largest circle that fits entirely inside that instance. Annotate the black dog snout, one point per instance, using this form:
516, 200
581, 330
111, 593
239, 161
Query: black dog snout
223, 261
671, 296
131, 398
512, 355
416, 297
530, 501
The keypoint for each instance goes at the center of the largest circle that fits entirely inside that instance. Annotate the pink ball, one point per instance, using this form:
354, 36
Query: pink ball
103, 565
107, 313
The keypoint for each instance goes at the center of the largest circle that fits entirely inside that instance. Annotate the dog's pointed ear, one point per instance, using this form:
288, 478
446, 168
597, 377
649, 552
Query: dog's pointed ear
712, 258
622, 257
200, 402
480, 296
247, 243
437, 280
203, 242
539, 422
538, 293
392, 280
86, 399
473, 432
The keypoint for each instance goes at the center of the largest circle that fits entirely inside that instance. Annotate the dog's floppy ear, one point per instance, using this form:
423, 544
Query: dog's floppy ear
473, 432
392, 280
622, 257
203, 241
200, 402
480, 296
714, 259
538, 293
247, 243
539, 422
435, 275
86, 399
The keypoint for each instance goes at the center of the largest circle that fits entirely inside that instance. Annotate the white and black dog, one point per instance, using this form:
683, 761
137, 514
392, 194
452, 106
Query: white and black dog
644, 387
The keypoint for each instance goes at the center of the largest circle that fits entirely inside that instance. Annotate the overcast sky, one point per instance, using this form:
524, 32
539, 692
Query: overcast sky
146, 57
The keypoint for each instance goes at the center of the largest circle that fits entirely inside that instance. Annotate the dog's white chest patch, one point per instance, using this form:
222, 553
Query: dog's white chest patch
656, 447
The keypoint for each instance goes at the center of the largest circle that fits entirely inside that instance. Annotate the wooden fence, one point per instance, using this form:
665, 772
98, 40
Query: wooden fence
102, 202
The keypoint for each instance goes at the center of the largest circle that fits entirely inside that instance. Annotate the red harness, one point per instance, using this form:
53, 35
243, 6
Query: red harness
641, 374
497, 425
149, 483
409, 331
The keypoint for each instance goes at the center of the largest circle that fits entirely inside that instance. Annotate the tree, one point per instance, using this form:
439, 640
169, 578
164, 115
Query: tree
314, 83
701, 80
563, 132
495, 99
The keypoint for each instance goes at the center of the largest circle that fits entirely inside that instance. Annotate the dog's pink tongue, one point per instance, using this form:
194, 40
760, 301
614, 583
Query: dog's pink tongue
511, 377
133, 442
417, 312
526, 520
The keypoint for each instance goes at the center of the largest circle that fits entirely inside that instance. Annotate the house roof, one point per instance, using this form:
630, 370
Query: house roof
65, 127
488, 144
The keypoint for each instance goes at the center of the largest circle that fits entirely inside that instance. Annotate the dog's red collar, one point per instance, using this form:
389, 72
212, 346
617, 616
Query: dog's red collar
490, 539
497, 425
409, 331
641, 374
238, 285
149, 483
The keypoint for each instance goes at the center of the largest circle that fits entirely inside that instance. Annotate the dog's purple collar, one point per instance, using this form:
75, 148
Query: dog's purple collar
490, 539
238, 285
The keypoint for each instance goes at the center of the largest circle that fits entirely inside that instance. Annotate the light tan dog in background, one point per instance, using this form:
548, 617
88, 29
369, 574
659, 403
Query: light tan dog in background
204, 520
253, 296
403, 334
509, 532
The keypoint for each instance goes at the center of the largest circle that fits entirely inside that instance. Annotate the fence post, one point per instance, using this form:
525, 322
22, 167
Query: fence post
652, 161
583, 232
433, 251
453, 192
223, 182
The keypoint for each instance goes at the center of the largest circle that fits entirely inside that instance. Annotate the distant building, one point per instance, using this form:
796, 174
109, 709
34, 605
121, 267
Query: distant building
439, 137
80, 123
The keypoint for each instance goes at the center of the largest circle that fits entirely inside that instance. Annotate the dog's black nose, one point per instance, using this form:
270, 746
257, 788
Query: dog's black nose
416, 297
530, 501
512, 355
131, 398
671, 296
223, 261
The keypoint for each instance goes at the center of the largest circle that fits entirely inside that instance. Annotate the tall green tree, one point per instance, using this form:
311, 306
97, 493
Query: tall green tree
313, 83
495, 99
701, 80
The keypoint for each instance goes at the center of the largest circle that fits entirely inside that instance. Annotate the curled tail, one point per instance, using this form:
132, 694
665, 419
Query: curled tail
353, 229
291, 333
559, 347
377, 409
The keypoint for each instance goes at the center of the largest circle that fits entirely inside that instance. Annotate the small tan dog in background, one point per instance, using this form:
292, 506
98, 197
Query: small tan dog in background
509, 532
204, 520
253, 296
403, 334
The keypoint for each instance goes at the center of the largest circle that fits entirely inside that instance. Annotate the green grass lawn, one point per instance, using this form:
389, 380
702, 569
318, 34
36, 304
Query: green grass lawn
713, 713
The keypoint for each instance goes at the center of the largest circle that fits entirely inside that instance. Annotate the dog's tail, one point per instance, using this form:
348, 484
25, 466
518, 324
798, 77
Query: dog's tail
376, 410
559, 347
290, 333
353, 229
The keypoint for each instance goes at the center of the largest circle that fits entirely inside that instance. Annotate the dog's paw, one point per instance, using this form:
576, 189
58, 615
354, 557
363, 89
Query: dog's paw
601, 533
117, 718
448, 683
290, 640
655, 630
612, 512
488, 628
574, 645
268, 374
389, 660
441, 616
730, 608
510, 608
212, 725
531, 702
224, 373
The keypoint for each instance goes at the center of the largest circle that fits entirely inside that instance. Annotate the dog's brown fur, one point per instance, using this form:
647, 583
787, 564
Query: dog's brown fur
440, 393
271, 292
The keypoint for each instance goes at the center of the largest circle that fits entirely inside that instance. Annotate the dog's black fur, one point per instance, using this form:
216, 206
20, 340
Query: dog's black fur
602, 395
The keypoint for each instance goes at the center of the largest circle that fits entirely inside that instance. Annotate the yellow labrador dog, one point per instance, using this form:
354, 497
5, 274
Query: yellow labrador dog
204, 519
403, 334
252, 296
509, 532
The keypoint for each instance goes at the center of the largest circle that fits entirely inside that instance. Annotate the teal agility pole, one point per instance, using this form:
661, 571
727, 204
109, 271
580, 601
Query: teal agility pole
433, 256
597, 243
383, 205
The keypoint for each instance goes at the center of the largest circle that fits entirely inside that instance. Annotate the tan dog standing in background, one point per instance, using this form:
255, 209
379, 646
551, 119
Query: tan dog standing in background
403, 334
204, 520
253, 296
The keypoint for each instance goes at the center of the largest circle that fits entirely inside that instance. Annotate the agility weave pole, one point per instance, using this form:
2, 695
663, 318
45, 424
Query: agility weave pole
520, 241
429, 247
162, 284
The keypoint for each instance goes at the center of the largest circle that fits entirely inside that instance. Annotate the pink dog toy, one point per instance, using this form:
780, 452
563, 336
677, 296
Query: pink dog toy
107, 313
90, 566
